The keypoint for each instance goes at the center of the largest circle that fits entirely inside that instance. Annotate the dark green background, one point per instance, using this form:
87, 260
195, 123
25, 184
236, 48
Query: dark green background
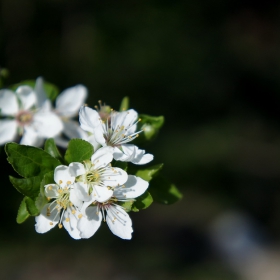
212, 69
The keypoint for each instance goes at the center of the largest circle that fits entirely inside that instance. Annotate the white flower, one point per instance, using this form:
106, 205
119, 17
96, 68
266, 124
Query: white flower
67, 106
95, 179
118, 129
116, 217
65, 208
25, 119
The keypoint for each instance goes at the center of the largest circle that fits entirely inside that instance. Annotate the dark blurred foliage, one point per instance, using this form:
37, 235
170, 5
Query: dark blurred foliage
212, 68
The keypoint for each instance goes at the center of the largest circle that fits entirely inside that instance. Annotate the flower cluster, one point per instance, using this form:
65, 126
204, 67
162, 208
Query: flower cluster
99, 177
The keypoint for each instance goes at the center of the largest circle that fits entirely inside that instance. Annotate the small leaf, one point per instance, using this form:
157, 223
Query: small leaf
31, 207
22, 214
51, 148
150, 126
126, 205
148, 173
163, 191
142, 202
78, 150
29, 161
29, 186
124, 104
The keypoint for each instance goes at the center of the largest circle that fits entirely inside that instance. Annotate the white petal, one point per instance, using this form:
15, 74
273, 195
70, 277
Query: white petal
134, 187
30, 137
46, 124
75, 199
89, 225
40, 93
141, 157
91, 139
51, 190
72, 130
27, 97
8, 103
8, 131
81, 190
62, 176
127, 154
102, 157
44, 222
119, 222
126, 119
89, 119
114, 176
101, 194
70, 222
70, 100
76, 169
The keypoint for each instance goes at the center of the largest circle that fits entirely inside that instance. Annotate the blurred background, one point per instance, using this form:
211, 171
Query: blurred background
212, 68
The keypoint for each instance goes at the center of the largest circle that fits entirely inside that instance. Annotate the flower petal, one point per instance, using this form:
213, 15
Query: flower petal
75, 199
30, 137
62, 176
101, 194
51, 190
47, 124
8, 131
81, 190
134, 187
76, 169
27, 97
119, 222
91, 139
89, 119
102, 157
40, 93
70, 222
70, 100
114, 176
89, 224
126, 119
127, 153
141, 157
45, 222
8, 103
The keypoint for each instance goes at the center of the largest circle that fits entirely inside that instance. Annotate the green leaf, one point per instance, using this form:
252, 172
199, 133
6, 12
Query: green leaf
31, 207
22, 214
51, 90
150, 126
142, 202
51, 148
148, 173
29, 161
163, 191
126, 205
78, 150
124, 104
29, 186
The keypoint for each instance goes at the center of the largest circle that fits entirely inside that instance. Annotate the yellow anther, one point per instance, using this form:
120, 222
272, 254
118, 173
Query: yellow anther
73, 211
67, 219
139, 120
50, 188
60, 181
137, 135
60, 225
51, 223
60, 190
68, 182
80, 216
48, 198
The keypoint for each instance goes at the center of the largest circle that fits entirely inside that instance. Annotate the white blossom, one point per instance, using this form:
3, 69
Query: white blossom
67, 106
24, 118
65, 207
96, 178
116, 131
115, 216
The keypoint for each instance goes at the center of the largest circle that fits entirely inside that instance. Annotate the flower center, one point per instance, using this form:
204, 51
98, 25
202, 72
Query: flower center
24, 117
92, 176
